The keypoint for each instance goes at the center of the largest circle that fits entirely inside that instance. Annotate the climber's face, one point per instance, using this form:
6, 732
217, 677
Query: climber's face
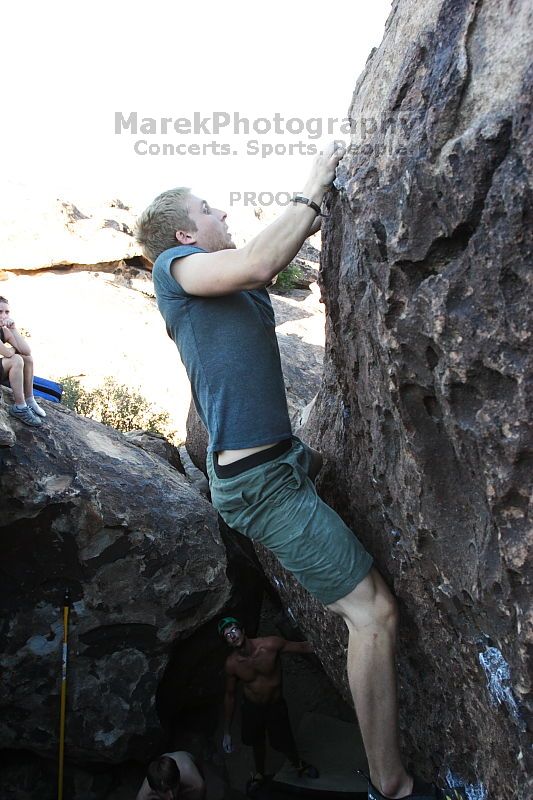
211, 232
234, 635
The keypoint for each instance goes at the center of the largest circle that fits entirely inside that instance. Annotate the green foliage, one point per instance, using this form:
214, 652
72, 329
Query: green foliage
288, 277
75, 396
115, 404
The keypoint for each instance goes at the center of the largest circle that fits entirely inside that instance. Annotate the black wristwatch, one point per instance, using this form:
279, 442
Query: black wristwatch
298, 198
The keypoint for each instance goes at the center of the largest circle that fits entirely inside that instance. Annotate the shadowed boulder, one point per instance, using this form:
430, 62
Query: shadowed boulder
140, 551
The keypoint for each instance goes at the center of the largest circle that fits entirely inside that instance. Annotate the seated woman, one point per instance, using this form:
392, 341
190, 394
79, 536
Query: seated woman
16, 370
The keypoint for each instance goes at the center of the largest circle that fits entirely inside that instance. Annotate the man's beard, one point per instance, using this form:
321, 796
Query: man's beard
225, 245
221, 243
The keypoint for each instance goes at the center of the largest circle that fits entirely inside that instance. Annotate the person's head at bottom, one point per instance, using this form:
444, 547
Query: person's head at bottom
163, 778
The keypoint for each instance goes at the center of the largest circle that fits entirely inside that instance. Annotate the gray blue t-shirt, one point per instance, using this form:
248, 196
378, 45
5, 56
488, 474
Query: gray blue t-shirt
229, 348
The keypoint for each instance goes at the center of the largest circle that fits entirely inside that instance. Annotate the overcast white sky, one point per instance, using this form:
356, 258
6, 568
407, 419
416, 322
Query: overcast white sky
68, 67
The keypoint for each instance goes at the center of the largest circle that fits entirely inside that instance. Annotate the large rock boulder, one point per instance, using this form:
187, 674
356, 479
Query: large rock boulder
423, 412
157, 445
58, 233
140, 552
300, 332
7, 433
197, 439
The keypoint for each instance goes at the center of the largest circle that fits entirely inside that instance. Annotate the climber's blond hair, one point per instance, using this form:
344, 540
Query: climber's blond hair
156, 227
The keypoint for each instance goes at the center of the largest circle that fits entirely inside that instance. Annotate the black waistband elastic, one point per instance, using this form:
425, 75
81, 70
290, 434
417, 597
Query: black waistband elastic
243, 464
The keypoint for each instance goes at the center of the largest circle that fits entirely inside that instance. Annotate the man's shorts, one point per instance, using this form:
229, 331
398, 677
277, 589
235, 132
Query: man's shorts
271, 718
275, 503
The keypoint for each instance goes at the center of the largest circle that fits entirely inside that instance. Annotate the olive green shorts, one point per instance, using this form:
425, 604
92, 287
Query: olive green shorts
276, 504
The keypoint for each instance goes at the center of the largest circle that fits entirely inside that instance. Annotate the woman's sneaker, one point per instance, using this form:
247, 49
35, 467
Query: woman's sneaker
34, 406
421, 791
26, 416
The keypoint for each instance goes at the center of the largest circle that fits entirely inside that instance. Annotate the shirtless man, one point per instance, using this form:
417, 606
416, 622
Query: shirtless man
16, 370
173, 776
257, 663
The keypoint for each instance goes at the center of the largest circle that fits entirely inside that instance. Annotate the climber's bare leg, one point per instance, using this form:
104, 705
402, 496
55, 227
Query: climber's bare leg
370, 612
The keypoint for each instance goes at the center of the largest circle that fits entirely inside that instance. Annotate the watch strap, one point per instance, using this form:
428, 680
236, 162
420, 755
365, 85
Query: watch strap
298, 198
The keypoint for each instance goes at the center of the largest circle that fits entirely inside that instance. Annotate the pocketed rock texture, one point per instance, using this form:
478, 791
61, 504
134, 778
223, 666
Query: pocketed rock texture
140, 551
423, 412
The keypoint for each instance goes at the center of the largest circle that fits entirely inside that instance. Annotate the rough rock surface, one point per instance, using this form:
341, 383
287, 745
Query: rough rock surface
196, 442
140, 551
300, 332
7, 434
157, 445
423, 412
